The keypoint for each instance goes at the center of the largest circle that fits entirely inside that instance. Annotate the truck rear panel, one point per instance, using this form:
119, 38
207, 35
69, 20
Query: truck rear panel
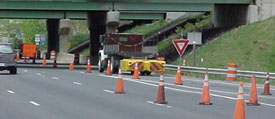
115, 43
144, 65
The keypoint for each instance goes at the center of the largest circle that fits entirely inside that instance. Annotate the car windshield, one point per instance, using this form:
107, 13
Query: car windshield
6, 49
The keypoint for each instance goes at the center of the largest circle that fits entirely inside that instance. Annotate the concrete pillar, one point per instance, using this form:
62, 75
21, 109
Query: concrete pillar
53, 36
266, 8
96, 24
229, 15
64, 31
253, 14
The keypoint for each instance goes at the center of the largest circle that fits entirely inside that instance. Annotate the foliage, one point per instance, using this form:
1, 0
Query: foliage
146, 29
31, 27
77, 39
251, 46
18, 30
204, 22
79, 27
16, 42
85, 52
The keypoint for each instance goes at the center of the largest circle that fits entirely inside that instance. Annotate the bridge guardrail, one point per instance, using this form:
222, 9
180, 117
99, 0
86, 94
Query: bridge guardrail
240, 73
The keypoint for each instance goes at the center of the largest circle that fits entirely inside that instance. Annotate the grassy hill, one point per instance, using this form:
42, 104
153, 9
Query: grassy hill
251, 46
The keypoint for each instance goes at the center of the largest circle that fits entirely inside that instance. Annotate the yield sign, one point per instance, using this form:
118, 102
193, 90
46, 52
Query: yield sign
180, 45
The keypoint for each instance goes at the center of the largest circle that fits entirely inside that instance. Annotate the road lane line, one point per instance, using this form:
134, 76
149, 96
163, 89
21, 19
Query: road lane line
55, 78
150, 102
108, 91
225, 83
82, 72
187, 91
11, 92
39, 74
34, 103
77, 83
219, 82
25, 70
195, 88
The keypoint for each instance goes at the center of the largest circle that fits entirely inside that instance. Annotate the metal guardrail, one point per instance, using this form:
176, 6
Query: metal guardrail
240, 73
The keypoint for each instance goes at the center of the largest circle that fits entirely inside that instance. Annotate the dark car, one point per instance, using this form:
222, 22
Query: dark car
7, 60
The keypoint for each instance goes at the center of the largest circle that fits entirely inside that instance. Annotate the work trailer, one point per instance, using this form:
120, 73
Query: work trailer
125, 50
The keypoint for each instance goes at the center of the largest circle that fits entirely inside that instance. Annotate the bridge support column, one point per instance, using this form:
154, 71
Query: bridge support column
228, 15
96, 24
53, 36
64, 30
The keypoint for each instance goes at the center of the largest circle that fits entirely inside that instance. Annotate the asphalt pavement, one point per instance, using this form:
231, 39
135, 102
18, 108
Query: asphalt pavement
41, 93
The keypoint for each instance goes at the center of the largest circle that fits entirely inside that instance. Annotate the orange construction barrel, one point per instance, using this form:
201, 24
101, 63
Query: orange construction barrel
53, 55
231, 71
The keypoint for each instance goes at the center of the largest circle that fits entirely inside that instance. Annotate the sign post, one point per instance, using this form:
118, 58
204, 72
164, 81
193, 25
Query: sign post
180, 46
195, 38
37, 42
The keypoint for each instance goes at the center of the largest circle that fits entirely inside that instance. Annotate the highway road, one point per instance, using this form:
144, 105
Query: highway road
64, 94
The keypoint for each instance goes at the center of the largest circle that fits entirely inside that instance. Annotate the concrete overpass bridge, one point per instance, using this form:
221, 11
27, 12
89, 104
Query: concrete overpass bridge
225, 12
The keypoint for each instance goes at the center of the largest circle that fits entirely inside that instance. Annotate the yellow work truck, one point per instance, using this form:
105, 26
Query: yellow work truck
125, 50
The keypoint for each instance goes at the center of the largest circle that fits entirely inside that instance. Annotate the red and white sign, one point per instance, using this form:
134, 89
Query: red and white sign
180, 45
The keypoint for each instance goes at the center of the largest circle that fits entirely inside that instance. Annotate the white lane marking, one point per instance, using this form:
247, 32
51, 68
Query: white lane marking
77, 83
82, 72
225, 83
187, 91
38, 74
25, 70
11, 92
34, 103
150, 102
217, 91
55, 78
108, 91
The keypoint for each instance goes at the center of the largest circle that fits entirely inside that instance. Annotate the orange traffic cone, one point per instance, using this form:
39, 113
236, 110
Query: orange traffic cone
178, 77
161, 95
25, 59
119, 84
239, 107
205, 98
253, 98
17, 56
108, 71
136, 75
44, 63
266, 85
54, 63
71, 67
88, 69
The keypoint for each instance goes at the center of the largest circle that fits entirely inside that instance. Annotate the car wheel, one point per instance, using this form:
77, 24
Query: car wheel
13, 70
100, 67
142, 73
114, 67
148, 73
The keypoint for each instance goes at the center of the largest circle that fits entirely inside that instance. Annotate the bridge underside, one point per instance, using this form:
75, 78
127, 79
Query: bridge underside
5, 14
95, 13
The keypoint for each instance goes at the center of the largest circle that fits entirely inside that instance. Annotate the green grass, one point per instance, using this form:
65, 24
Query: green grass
203, 23
85, 52
77, 39
146, 29
251, 46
